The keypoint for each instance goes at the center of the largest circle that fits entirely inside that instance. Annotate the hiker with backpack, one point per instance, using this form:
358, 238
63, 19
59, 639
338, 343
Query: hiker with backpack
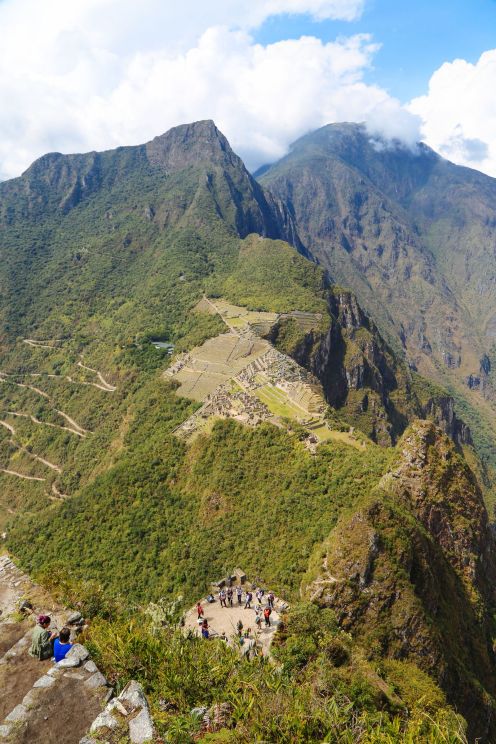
249, 597
222, 597
230, 596
239, 592
267, 613
270, 600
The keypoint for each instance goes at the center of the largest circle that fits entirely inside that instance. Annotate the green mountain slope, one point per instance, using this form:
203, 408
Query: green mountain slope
111, 268
413, 236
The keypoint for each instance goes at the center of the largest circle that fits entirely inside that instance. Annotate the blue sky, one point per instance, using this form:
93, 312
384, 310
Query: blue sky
417, 37
95, 74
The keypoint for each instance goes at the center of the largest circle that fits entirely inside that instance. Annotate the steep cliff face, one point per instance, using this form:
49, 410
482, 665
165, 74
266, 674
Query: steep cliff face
412, 573
363, 378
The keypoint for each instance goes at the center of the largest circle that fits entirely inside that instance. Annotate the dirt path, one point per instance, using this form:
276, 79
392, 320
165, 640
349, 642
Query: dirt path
63, 715
21, 475
5, 378
106, 385
67, 378
80, 433
72, 422
18, 446
58, 494
45, 344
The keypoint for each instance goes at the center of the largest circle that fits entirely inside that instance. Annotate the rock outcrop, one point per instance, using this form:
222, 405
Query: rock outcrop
411, 572
364, 380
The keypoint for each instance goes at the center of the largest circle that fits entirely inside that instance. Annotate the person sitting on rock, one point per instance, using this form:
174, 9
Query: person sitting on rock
42, 639
62, 645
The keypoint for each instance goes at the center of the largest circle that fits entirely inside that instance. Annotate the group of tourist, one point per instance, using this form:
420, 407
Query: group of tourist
227, 597
46, 644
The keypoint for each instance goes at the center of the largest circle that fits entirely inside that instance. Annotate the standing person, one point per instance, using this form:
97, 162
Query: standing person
259, 595
270, 600
230, 596
239, 592
42, 639
222, 597
267, 613
199, 610
258, 617
239, 628
249, 597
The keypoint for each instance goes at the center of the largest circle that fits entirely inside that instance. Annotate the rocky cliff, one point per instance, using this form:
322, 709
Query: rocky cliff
411, 572
363, 378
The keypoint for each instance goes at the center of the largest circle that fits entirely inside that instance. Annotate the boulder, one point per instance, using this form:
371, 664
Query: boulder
90, 666
78, 652
46, 681
74, 618
104, 720
141, 727
68, 662
19, 713
133, 695
96, 680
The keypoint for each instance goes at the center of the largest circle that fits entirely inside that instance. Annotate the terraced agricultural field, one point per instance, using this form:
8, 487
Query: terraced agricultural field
215, 362
241, 317
279, 403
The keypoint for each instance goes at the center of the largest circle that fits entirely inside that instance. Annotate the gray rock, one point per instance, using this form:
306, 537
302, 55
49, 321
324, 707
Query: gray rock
96, 680
87, 740
29, 699
198, 712
74, 618
104, 720
118, 706
5, 731
90, 666
68, 662
133, 695
73, 675
18, 714
78, 652
55, 671
45, 681
141, 727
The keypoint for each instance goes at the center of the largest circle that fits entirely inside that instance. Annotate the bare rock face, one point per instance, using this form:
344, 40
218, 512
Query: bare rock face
364, 379
412, 573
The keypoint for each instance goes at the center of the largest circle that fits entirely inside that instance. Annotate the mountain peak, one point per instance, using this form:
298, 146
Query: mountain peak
189, 143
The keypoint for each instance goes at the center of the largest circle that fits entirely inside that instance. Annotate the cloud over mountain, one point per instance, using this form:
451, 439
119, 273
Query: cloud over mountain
100, 73
459, 112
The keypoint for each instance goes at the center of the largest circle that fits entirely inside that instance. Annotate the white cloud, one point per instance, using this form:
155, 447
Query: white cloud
94, 74
459, 112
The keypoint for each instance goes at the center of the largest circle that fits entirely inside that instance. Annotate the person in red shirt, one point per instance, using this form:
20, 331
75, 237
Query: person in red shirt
267, 613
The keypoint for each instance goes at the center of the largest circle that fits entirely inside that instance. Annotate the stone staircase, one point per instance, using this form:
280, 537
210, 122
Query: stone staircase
41, 701
65, 703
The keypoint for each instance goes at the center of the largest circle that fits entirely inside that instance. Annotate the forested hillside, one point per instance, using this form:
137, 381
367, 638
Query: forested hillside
150, 286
